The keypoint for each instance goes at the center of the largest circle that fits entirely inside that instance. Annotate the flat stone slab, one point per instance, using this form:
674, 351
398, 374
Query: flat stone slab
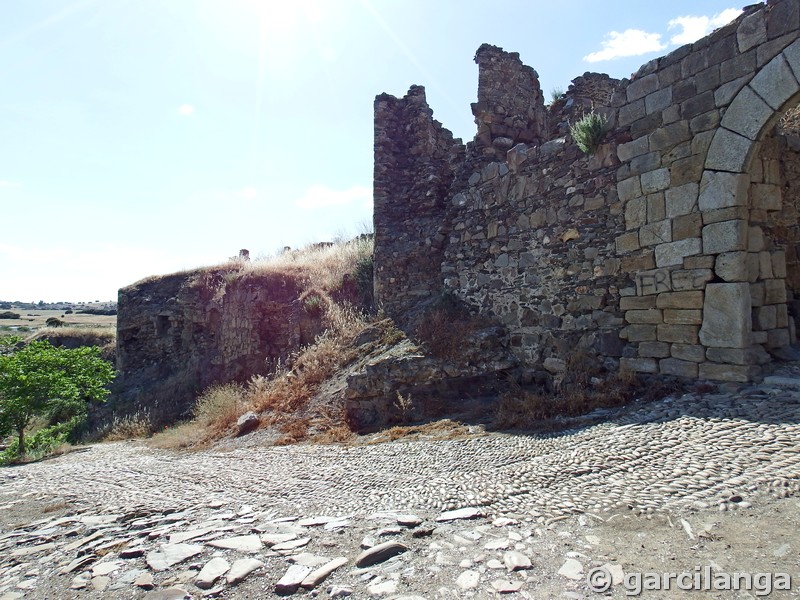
242, 543
469, 512
171, 554
270, 539
468, 580
319, 575
185, 536
408, 520
516, 561
105, 568
213, 570
308, 560
242, 568
171, 593
380, 553
291, 580
506, 586
291, 545
33, 550
95, 520
572, 569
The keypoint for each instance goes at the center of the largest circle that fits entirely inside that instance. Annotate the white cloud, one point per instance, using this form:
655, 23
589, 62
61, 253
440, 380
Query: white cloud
186, 110
695, 27
631, 42
319, 196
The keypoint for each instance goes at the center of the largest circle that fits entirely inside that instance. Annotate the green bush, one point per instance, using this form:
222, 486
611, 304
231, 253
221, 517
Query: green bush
43, 442
588, 132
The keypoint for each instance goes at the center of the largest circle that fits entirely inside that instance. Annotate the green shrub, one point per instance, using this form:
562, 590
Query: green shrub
556, 94
588, 132
43, 442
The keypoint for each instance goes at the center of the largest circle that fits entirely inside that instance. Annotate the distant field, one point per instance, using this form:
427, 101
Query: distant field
35, 319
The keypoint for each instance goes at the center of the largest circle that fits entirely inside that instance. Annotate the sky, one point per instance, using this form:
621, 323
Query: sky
142, 137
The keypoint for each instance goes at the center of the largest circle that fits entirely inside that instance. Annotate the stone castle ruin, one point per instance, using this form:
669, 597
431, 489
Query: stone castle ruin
672, 249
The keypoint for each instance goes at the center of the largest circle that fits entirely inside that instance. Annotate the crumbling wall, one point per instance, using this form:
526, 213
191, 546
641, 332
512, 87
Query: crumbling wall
180, 333
661, 247
510, 107
415, 162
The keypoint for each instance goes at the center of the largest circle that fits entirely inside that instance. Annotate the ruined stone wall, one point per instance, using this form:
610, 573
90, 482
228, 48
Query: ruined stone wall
510, 107
415, 162
662, 247
180, 333
532, 246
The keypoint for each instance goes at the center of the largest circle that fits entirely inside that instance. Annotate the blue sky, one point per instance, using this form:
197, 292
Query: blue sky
147, 136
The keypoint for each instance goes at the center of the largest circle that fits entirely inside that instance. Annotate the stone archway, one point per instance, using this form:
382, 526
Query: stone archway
745, 308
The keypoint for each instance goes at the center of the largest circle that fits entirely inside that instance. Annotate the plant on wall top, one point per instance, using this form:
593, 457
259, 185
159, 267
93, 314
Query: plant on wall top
589, 131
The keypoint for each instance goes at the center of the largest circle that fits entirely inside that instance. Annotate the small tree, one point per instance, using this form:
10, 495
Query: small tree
41, 379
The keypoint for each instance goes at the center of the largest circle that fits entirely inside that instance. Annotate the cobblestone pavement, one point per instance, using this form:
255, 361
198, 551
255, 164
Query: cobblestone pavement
716, 452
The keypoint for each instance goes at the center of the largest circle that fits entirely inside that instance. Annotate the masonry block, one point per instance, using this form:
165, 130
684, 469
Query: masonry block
653, 349
691, 352
732, 266
653, 234
683, 300
747, 114
727, 318
675, 316
680, 368
681, 200
673, 253
720, 190
724, 372
775, 291
649, 316
728, 151
725, 236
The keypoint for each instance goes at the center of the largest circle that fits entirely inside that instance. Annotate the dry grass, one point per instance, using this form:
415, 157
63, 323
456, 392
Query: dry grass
445, 327
444, 429
98, 335
322, 267
317, 266
215, 412
135, 426
285, 398
790, 121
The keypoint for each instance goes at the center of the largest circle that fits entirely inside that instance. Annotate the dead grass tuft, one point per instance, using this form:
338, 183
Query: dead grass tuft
443, 429
134, 426
790, 121
178, 437
445, 327
215, 412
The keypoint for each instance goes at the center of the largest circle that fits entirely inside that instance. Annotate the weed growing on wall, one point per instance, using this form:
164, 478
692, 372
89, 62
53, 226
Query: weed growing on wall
588, 132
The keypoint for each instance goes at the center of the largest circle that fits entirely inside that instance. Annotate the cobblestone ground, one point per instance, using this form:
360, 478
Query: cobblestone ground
708, 452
